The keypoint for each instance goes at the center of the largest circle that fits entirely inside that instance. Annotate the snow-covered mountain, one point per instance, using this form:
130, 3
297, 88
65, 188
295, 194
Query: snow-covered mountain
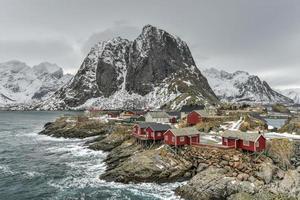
155, 70
22, 84
293, 93
240, 86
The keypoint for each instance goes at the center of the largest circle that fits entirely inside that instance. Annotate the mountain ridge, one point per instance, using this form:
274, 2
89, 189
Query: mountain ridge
240, 86
22, 84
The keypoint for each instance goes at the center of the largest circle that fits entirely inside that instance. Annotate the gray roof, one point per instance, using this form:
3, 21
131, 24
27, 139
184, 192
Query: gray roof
190, 108
155, 126
241, 135
174, 114
158, 114
203, 113
185, 131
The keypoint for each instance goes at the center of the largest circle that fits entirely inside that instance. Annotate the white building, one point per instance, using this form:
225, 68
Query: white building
157, 116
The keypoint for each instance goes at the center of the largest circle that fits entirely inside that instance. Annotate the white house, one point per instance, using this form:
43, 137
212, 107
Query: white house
157, 116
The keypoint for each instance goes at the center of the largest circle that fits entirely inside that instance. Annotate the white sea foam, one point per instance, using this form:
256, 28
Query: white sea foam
6, 170
88, 165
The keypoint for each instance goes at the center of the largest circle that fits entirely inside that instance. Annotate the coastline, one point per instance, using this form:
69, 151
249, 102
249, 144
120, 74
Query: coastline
225, 176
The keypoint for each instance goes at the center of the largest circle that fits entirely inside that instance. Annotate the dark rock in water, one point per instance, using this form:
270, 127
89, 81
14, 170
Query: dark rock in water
71, 130
48, 124
132, 72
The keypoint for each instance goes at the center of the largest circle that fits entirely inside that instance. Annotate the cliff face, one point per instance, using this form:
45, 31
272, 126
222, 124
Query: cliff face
155, 70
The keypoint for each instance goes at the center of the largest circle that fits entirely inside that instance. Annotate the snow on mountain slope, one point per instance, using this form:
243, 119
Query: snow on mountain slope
155, 70
21, 84
293, 93
242, 87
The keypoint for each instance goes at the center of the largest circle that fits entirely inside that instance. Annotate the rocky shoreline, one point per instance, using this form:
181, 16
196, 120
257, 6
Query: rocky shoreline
210, 173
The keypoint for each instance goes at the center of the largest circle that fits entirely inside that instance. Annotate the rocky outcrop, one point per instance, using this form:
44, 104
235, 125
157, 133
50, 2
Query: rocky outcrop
213, 184
292, 125
154, 165
280, 108
73, 129
112, 140
155, 70
212, 173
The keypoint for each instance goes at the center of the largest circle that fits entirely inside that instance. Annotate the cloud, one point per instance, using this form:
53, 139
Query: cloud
33, 51
258, 36
120, 28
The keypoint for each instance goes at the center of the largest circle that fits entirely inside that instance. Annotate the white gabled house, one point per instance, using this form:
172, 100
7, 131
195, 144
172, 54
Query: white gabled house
157, 116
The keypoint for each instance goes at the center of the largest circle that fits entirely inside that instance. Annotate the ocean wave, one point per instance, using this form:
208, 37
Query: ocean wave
6, 170
31, 174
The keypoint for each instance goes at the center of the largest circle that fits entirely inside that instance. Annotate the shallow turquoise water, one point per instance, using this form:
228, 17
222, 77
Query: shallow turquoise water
38, 167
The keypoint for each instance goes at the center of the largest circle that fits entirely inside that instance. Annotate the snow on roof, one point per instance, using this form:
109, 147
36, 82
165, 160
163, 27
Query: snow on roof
158, 114
241, 135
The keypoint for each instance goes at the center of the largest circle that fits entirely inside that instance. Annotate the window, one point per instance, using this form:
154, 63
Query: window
257, 144
245, 143
225, 140
173, 139
181, 139
158, 134
152, 134
166, 137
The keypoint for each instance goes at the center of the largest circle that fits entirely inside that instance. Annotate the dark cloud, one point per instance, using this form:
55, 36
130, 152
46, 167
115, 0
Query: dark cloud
259, 36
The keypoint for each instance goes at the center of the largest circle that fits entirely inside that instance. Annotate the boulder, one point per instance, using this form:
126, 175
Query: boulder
212, 183
291, 183
266, 172
201, 167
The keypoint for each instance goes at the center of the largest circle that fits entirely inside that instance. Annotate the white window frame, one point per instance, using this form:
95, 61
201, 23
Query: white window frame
166, 137
257, 144
152, 134
181, 139
246, 143
173, 139
158, 134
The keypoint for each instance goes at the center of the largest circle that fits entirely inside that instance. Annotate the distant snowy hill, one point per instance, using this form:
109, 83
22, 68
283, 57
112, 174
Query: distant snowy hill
293, 93
155, 70
21, 84
242, 87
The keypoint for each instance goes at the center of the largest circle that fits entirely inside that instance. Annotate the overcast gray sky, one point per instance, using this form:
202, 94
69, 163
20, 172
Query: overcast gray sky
258, 36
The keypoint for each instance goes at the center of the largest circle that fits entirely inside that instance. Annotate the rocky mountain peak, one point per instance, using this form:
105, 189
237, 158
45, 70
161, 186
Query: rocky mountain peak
14, 66
240, 86
22, 84
46, 68
154, 65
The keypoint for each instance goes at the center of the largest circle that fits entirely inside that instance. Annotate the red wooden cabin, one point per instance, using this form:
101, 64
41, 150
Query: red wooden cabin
149, 130
182, 136
156, 131
243, 140
196, 117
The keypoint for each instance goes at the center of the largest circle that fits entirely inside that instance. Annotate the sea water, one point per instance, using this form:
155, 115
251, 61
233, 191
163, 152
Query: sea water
39, 167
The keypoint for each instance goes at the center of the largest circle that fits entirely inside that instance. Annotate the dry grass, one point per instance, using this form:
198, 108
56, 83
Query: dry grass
281, 151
